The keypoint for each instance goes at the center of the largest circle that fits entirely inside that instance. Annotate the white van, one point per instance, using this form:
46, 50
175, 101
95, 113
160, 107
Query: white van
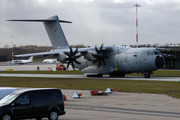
6, 90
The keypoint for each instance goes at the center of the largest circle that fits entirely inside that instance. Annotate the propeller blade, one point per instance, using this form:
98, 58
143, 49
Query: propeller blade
73, 65
71, 52
78, 56
76, 51
66, 53
101, 47
77, 62
99, 64
68, 65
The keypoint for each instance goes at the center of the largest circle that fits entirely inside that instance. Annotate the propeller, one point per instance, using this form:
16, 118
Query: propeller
71, 57
100, 56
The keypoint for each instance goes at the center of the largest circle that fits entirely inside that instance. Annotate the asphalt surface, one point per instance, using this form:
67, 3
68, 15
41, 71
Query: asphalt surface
120, 106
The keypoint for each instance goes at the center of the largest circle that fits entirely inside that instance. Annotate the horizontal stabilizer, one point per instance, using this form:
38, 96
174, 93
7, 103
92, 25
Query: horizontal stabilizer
42, 20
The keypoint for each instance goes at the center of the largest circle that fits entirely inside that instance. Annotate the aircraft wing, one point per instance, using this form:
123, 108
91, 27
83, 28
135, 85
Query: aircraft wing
38, 54
56, 52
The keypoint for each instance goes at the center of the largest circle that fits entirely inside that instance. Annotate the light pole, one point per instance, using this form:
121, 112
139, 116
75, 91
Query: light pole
12, 47
137, 23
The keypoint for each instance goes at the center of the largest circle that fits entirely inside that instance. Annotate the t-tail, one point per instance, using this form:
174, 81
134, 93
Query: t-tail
54, 31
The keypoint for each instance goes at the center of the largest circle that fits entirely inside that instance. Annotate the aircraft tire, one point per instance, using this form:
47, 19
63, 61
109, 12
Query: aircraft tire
147, 75
110, 75
88, 75
123, 75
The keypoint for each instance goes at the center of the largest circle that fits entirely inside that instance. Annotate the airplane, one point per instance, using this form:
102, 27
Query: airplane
50, 61
98, 61
30, 60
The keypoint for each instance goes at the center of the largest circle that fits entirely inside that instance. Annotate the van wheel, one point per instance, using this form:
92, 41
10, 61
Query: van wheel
38, 118
6, 116
53, 115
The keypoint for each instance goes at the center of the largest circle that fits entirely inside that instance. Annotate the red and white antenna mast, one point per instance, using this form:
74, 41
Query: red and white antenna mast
12, 48
137, 23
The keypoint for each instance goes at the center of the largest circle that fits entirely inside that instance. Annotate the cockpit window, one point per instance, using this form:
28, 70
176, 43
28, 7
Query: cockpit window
150, 53
156, 53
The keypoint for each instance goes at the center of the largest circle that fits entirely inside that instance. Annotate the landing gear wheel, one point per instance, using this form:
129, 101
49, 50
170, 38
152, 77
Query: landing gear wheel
6, 116
147, 75
99, 75
53, 115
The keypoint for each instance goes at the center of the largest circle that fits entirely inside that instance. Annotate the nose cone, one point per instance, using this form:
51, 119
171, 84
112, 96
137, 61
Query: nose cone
159, 62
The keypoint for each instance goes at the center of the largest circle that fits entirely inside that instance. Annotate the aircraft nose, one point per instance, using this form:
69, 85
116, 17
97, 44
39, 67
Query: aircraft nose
159, 61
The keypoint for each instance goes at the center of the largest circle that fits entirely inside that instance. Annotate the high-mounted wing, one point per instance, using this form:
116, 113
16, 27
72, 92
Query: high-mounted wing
38, 54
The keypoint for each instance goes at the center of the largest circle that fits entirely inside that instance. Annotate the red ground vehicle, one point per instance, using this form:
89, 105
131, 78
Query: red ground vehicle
60, 67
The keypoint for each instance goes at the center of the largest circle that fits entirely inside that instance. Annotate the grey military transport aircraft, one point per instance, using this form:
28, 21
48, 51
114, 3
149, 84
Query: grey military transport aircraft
95, 62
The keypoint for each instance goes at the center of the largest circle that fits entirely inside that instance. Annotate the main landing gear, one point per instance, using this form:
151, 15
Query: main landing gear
117, 75
99, 75
147, 75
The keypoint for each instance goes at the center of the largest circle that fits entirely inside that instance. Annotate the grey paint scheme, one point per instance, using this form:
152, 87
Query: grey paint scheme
121, 59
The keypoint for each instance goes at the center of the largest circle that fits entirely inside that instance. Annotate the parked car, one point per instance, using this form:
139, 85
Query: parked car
32, 103
49, 69
6, 90
60, 67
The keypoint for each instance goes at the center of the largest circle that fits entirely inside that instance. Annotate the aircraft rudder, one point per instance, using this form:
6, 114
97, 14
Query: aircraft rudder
55, 32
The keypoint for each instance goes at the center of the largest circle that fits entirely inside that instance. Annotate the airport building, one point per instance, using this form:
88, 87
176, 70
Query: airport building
172, 56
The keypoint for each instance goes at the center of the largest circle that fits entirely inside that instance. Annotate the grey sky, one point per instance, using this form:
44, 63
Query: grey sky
111, 22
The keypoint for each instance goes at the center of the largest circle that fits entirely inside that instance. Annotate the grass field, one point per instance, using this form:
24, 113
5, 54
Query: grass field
162, 73
168, 88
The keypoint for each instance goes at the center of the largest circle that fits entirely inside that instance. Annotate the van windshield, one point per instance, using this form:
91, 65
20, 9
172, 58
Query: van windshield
8, 98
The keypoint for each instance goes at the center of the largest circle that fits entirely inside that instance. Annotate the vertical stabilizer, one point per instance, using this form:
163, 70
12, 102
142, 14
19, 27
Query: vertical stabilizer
31, 58
54, 30
55, 33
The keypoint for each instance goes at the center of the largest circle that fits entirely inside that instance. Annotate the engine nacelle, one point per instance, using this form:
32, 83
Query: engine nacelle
61, 57
89, 55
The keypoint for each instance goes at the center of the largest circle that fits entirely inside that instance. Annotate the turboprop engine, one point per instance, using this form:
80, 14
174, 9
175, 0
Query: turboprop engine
61, 57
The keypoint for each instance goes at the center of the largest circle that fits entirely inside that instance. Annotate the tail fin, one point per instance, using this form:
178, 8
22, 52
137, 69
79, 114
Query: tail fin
31, 58
54, 31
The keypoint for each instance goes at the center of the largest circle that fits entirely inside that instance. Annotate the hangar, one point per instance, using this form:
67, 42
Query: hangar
172, 57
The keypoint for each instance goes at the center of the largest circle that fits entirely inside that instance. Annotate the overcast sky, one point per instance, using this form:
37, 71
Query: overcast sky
111, 22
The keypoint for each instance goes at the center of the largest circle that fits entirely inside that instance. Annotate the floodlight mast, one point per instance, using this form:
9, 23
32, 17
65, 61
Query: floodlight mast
12, 47
137, 23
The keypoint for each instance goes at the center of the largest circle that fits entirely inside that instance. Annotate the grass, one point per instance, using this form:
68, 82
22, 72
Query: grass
157, 87
161, 73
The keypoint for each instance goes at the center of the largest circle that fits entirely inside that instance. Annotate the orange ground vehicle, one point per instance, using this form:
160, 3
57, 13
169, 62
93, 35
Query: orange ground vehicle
60, 67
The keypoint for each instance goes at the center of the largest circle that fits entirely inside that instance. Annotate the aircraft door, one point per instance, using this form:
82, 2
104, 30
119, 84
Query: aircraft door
125, 63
